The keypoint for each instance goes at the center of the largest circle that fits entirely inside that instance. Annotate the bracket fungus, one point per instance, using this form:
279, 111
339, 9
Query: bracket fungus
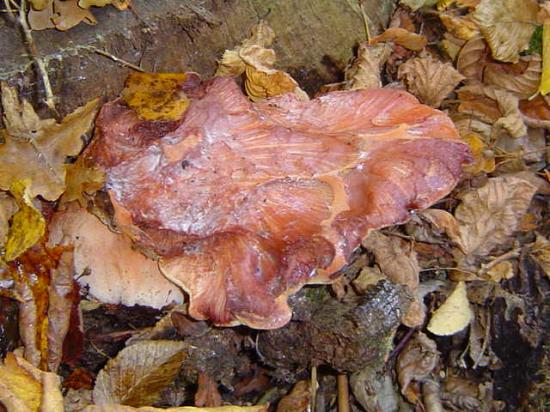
244, 203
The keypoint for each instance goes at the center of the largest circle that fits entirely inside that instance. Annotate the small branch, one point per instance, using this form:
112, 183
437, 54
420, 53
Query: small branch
27, 32
508, 255
365, 19
313, 387
116, 59
343, 393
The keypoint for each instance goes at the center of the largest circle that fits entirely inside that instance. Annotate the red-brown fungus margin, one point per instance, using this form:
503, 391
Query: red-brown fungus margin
247, 202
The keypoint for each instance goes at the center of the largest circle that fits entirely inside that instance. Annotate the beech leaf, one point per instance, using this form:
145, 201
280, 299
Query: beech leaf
507, 25
28, 224
489, 215
429, 79
453, 315
139, 373
36, 149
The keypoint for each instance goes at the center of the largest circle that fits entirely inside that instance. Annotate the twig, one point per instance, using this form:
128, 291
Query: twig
27, 32
365, 19
343, 393
486, 338
116, 59
313, 387
508, 255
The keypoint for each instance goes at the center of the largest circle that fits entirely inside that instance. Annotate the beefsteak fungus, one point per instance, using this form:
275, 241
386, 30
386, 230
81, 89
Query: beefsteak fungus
244, 203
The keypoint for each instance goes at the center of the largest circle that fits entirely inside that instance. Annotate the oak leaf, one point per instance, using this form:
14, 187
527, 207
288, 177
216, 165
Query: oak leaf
23, 388
507, 25
36, 149
138, 374
453, 315
429, 79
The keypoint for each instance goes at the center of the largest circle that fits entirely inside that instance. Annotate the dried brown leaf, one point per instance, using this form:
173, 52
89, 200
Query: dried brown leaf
41, 19
507, 25
298, 400
36, 149
227, 408
500, 271
484, 158
508, 104
473, 58
429, 79
489, 215
522, 79
417, 4
443, 221
402, 37
138, 374
23, 388
68, 14
369, 276
453, 315
82, 179
540, 250
365, 71
262, 85
398, 261
417, 360
462, 27
207, 392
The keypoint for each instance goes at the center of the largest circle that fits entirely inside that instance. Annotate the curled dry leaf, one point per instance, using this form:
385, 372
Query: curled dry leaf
540, 250
429, 79
403, 37
117, 272
461, 27
508, 104
484, 158
507, 25
28, 224
139, 373
36, 149
24, 388
365, 71
157, 96
489, 215
417, 360
443, 221
453, 315
261, 85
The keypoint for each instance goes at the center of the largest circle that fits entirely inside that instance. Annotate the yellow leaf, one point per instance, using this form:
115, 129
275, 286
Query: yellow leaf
119, 4
405, 38
453, 315
82, 179
39, 4
462, 27
156, 96
24, 388
507, 25
36, 149
484, 159
545, 77
28, 224
262, 85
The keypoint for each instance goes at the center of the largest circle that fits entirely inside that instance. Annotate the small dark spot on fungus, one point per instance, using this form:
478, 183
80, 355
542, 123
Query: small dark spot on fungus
278, 194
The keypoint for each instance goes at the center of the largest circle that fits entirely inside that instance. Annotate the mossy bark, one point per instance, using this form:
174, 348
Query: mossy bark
315, 41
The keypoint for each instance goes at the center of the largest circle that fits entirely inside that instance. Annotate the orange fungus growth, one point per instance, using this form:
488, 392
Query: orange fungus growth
247, 202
